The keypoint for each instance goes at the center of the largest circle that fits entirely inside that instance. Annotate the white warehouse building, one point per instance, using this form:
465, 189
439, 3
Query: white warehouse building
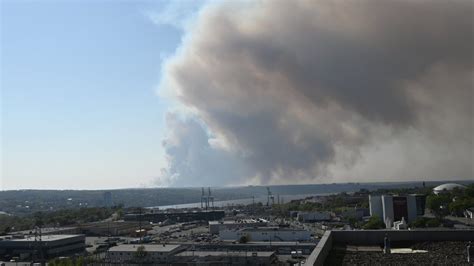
156, 253
266, 234
216, 226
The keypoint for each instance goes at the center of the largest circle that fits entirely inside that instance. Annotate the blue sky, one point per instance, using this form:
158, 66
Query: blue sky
250, 94
79, 91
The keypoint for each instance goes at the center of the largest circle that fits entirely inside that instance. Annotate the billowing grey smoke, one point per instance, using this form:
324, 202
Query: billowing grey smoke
307, 91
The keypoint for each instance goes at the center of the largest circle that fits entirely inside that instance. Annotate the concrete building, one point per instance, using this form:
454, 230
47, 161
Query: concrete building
266, 234
152, 253
311, 217
280, 247
115, 228
216, 226
50, 231
51, 246
182, 216
393, 208
226, 258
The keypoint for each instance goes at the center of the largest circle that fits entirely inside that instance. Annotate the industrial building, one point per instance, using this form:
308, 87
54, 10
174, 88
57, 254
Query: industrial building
115, 228
393, 208
71, 230
156, 217
279, 247
216, 226
311, 217
226, 258
50, 246
152, 253
266, 234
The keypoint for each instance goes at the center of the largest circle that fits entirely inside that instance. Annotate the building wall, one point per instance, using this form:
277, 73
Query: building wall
176, 216
51, 248
270, 235
420, 204
230, 259
125, 256
215, 228
375, 205
118, 256
387, 206
412, 209
321, 251
282, 248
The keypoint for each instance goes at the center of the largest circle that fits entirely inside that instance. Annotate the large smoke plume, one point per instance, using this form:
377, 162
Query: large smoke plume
322, 91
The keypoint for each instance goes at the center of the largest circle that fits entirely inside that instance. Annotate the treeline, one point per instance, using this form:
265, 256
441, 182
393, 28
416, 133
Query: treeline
25, 202
336, 203
65, 217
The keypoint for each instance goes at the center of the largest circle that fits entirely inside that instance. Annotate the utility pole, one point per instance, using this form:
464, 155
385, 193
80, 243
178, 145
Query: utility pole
209, 197
39, 246
270, 197
140, 223
38, 243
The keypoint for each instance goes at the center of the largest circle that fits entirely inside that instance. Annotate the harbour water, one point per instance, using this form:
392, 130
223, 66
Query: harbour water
236, 202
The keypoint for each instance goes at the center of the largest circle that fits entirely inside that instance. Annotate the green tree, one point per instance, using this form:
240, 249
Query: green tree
374, 223
438, 204
244, 239
141, 253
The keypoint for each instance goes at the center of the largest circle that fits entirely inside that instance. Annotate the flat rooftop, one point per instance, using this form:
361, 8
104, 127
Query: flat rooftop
46, 230
148, 248
225, 254
44, 238
264, 229
421, 253
413, 247
273, 243
243, 221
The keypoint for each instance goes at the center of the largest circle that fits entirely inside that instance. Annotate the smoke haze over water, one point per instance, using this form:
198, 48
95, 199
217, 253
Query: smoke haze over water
322, 91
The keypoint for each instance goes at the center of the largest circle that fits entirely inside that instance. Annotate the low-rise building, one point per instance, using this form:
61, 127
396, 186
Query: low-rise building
113, 228
150, 253
266, 234
50, 246
226, 258
70, 230
216, 226
181, 216
279, 247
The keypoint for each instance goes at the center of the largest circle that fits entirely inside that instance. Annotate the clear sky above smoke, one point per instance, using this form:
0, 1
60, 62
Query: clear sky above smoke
184, 93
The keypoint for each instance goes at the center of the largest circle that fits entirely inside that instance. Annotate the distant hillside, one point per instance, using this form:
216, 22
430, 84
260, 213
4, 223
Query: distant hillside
27, 201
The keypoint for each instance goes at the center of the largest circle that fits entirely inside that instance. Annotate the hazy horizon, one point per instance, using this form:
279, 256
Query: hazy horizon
148, 94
